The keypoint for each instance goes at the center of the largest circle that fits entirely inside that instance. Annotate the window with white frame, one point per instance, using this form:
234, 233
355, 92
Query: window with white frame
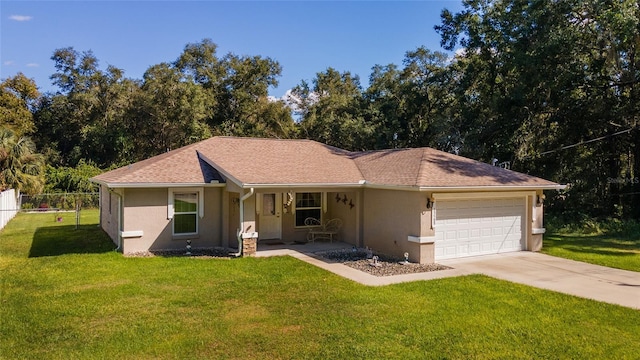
185, 215
308, 204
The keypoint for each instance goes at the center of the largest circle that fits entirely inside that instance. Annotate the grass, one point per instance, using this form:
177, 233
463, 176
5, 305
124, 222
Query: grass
611, 244
78, 299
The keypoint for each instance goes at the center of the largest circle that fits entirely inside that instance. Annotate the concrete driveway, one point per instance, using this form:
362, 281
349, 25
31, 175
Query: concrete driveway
596, 282
589, 281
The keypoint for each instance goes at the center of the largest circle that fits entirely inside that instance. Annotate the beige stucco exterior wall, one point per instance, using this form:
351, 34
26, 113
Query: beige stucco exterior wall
146, 210
342, 211
345, 212
231, 219
289, 230
390, 217
534, 242
249, 214
109, 211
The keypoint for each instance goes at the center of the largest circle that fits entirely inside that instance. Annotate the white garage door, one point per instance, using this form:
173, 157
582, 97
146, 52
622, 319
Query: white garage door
478, 227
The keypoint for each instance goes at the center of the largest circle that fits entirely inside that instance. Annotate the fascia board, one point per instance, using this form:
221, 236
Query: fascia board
481, 195
99, 182
391, 187
407, 188
159, 185
492, 188
302, 185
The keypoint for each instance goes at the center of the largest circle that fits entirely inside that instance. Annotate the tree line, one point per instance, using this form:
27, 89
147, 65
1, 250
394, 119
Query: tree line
548, 87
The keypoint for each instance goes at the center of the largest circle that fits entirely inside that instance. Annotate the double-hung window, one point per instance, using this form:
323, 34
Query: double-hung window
185, 216
308, 204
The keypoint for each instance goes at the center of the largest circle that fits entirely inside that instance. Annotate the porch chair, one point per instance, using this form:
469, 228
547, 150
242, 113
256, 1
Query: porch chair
319, 231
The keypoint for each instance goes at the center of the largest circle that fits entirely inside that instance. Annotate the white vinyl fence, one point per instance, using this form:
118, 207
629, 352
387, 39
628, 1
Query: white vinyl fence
8, 206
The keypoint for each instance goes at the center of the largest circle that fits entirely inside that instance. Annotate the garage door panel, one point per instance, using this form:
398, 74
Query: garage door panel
478, 227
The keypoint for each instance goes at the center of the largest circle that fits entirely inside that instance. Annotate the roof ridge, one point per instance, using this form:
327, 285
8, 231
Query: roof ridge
264, 138
419, 172
355, 163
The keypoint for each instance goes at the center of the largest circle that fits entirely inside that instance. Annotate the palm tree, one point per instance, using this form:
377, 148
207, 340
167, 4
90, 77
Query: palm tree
21, 168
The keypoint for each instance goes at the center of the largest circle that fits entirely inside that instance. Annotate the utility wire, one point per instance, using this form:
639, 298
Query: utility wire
588, 141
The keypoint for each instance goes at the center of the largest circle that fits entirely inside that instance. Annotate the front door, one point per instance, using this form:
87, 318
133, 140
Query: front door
270, 216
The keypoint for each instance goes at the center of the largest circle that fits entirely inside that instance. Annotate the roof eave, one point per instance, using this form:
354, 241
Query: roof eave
302, 185
494, 187
466, 187
119, 185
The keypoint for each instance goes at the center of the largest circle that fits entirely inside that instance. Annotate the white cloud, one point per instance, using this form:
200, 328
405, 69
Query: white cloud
33, 65
8, 63
20, 17
461, 52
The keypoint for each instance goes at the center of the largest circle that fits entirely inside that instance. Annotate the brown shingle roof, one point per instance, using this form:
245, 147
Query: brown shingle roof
274, 161
180, 166
426, 167
257, 161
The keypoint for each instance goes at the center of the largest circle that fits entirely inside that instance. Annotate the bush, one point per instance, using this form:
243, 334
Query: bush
592, 226
72, 180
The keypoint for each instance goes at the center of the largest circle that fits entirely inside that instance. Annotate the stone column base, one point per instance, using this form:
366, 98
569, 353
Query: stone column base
249, 246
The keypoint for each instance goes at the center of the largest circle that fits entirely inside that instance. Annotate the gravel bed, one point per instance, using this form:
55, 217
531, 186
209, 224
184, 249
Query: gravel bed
360, 259
384, 265
195, 253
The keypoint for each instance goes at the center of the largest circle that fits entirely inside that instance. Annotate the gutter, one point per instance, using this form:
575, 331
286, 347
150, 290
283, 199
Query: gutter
359, 184
492, 188
156, 185
241, 230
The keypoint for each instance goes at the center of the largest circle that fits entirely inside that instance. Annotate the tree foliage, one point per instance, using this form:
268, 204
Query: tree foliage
21, 167
86, 119
540, 75
18, 97
332, 111
65, 179
550, 87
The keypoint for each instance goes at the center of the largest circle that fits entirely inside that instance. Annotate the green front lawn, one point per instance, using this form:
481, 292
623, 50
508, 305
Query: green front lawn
66, 294
616, 251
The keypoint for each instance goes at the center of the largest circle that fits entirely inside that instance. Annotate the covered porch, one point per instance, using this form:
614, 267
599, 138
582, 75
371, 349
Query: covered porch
278, 216
268, 248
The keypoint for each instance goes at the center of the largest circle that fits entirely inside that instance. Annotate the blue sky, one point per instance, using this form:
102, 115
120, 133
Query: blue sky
305, 37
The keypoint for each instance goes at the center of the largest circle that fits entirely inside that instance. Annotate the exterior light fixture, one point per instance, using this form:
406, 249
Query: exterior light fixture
429, 203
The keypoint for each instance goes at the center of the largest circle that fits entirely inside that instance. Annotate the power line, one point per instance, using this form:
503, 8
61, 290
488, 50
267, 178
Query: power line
588, 141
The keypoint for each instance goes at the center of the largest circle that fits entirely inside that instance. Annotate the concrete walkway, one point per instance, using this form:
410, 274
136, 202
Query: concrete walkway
589, 281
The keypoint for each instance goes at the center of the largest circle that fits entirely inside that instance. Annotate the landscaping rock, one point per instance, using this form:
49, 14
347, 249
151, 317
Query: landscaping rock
385, 266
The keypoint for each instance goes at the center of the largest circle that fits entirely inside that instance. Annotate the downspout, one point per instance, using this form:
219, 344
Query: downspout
240, 230
119, 248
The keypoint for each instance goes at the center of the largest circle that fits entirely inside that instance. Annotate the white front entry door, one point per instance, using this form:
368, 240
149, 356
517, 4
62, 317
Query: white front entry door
270, 216
479, 227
